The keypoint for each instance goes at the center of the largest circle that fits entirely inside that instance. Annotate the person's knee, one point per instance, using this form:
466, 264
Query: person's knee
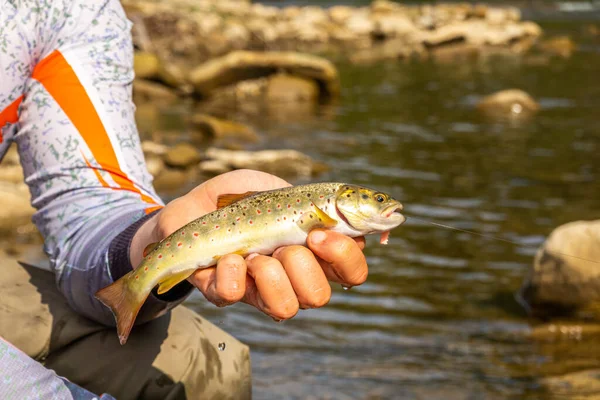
207, 361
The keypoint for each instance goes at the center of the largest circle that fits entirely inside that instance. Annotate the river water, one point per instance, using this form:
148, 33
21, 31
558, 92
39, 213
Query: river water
437, 318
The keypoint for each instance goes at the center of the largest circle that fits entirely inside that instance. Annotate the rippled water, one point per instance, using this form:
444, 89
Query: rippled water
437, 317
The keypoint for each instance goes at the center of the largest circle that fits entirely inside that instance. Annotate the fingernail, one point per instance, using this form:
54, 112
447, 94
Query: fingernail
318, 237
251, 256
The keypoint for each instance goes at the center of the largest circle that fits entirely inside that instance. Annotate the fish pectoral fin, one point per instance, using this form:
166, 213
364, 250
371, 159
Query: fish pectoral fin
149, 248
173, 280
315, 220
225, 200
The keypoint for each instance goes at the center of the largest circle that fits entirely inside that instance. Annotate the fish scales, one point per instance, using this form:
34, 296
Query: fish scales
259, 223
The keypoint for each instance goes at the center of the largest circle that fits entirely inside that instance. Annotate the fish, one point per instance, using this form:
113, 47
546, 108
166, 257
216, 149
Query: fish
247, 223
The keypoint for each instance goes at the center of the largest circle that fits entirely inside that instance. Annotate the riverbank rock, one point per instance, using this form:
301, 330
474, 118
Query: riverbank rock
511, 102
581, 385
223, 129
144, 91
191, 32
562, 46
16, 212
285, 163
244, 65
565, 276
182, 155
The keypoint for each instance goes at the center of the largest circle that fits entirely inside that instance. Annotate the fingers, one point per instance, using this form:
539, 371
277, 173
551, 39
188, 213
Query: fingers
274, 294
340, 257
306, 276
224, 284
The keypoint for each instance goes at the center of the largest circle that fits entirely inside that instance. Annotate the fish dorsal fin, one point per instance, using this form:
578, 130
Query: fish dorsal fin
227, 199
148, 249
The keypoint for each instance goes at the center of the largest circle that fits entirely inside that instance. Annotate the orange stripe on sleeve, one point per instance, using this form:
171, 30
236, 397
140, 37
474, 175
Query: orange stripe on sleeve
59, 79
9, 114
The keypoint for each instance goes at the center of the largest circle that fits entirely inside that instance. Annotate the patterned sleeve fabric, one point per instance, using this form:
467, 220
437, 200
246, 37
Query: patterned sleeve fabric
66, 72
25, 379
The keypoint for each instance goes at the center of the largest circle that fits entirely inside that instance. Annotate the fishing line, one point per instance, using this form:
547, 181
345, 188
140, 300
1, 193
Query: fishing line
497, 238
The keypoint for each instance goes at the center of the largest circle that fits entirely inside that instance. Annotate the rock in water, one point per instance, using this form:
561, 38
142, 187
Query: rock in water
565, 276
182, 156
511, 102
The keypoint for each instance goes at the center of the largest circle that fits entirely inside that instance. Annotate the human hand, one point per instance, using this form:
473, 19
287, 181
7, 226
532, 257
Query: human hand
292, 277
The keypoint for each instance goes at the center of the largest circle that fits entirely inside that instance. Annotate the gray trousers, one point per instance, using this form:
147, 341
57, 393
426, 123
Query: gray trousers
175, 356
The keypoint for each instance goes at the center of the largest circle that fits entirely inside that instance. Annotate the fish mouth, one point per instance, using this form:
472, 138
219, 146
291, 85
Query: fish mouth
393, 209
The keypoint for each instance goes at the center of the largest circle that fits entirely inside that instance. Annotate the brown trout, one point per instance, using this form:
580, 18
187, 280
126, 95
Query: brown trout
253, 222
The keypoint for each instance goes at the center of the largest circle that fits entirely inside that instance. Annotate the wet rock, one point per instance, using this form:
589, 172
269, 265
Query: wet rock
154, 149
285, 163
242, 65
388, 50
360, 24
171, 180
10, 169
220, 128
144, 90
340, 14
155, 165
182, 155
145, 65
394, 25
565, 275
576, 385
508, 102
287, 88
564, 331
562, 46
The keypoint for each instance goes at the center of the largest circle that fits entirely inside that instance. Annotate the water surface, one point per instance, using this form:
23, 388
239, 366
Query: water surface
437, 317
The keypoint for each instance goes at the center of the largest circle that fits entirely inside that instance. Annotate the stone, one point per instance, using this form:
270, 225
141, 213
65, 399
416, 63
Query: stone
394, 25
220, 128
578, 385
144, 90
243, 65
16, 210
182, 155
360, 24
340, 14
565, 275
284, 163
145, 65
171, 180
508, 102
562, 46
155, 165
153, 148
288, 88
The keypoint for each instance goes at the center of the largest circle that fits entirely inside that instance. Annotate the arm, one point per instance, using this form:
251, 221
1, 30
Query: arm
79, 146
24, 378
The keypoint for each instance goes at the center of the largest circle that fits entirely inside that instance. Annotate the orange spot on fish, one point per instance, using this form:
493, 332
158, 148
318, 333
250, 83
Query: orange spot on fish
269, 210
258, 211
190, 247
203, 222
145, 268
297, 200
238, 218
268, 200
216, 226
160, 256
168, 244
182, 233
196, 234
277, 219
279, 206
321, 196
137, 277
245, 207
179, 244
250, 222
284, 218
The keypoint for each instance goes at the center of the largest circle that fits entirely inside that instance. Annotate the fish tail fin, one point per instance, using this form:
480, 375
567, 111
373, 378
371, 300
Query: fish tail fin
124, 304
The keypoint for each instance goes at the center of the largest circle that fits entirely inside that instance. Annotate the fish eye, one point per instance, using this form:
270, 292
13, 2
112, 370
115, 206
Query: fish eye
379, 198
